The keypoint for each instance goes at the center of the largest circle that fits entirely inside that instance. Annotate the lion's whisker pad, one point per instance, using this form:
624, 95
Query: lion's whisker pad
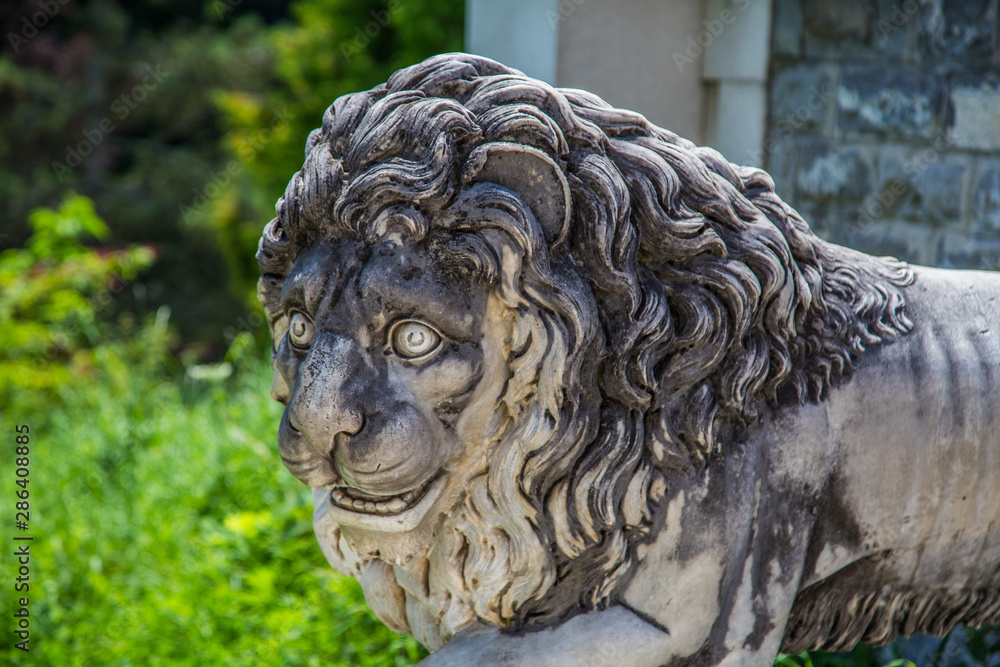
573, 390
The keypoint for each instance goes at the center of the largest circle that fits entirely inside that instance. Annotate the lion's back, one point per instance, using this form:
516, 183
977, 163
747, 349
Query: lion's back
917, 429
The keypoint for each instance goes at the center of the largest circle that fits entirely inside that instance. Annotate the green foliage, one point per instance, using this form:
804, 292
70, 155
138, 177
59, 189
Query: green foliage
53, 293
961, 647
184, 121
334, 47
106, 102
982, 645
168, 532
861, 656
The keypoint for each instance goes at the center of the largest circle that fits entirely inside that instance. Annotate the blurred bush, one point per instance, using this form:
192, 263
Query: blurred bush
56, 296
110, 103
184, 121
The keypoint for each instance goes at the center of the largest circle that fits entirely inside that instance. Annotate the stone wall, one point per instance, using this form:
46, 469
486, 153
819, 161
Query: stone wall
884, 125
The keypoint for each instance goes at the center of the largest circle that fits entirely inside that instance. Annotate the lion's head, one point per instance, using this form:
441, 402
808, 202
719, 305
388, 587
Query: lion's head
507, 317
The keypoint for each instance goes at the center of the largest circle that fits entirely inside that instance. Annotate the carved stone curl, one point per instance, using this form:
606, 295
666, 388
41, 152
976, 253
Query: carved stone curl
573, 390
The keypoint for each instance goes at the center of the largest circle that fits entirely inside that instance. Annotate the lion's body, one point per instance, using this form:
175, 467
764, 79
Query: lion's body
917, 438
557, 370
872, 513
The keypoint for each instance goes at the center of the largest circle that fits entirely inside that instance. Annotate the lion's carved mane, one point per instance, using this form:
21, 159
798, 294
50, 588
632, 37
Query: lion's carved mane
682, 299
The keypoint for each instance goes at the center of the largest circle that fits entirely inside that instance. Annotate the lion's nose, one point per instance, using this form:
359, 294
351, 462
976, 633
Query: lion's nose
325, 402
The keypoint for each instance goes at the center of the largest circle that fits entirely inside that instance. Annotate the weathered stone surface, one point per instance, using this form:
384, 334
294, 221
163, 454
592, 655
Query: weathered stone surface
959, 29
958, 649
828, 219
920, 184
919, 86
892, 35
855, 30
803, 99
786, 33
781, 156
961, 251
975, 108
841, 174
571, 390
890, 101
834, 25
986, 195
919, 244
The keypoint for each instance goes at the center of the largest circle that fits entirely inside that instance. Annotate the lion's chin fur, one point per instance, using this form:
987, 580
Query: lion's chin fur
467, 575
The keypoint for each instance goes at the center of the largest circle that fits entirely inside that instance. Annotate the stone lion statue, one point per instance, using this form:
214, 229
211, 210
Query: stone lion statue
572, 390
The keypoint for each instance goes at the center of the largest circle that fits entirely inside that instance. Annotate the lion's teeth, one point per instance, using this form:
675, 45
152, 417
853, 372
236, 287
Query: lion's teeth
342, 497
396, 504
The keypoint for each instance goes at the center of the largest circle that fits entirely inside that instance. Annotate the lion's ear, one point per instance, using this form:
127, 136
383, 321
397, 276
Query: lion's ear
531, 175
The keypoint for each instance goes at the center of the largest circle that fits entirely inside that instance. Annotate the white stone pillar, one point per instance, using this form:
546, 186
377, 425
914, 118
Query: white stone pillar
522, 34
737, 39
623, 50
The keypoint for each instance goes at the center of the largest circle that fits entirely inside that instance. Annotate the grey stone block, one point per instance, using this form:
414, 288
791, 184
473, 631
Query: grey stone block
919, 244
833, 27
781, 160
924, 650
894, 29
958, 29
985, 214
892, 101
974, 111
802, 99
962, 251
920, 184
841, 174
858, 29
786, 28
826, 219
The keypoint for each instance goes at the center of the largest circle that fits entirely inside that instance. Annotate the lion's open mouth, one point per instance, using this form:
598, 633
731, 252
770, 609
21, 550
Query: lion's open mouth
415, 506
356, 500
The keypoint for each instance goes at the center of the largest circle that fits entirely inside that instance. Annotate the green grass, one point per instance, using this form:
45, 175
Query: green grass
167, 531
859, 657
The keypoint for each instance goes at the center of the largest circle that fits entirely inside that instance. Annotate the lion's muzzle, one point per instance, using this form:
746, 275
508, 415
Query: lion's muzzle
345, 425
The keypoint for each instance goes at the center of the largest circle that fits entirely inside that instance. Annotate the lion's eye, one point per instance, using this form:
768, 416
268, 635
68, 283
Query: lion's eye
412, 339
301, 330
